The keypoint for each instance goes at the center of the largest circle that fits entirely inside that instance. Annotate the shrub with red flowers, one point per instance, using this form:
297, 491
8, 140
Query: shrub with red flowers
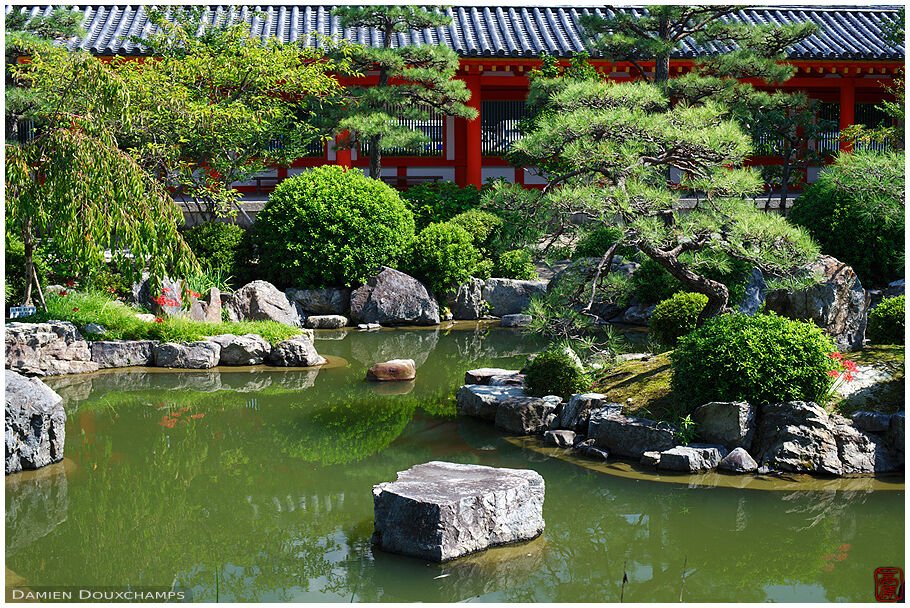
760, 359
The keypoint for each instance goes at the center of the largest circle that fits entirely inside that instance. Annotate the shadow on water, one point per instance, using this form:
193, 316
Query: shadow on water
262, 480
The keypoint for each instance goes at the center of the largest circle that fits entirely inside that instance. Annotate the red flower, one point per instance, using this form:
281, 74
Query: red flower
166, 290
833, 374
848, 377
850, 366
195, 295
70, 284
75, 309
63, 292
198, 415
836, 356
159, 320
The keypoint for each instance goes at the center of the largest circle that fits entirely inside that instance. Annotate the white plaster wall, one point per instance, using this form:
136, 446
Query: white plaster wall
496, 172
447, 173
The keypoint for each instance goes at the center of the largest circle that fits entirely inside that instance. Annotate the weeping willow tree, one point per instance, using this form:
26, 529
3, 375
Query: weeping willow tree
606, 149
71, 184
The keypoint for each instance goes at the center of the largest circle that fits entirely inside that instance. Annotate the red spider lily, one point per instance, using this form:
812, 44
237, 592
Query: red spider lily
168, 422
159, 320
70, 284
166, 290
841, 557
844, 547
198, 415
836, 356
75, 309
850, 366
834, 374
195, 295
63, 292
848, 377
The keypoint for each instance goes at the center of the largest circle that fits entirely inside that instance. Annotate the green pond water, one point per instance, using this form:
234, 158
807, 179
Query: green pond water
256, 486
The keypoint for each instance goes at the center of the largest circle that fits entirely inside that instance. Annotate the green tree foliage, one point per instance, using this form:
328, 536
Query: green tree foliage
886, 322
856, 212
330, 226
555, 372
517, 264
442, 256
760, 359
24, 34
414, 81
676, 316
606, 148
74, 185
440, 202
216, 244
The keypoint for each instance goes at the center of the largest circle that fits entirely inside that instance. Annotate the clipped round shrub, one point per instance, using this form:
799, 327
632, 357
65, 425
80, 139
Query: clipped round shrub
855, 212
596, 243
517, 264
886, 322
555, 371
442, 256
215, 244
330, 227
439, 202
483, 226
760, 359
677, 316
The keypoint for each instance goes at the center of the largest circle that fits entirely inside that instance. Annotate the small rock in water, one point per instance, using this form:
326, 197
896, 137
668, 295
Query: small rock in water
738, 461
483, 375
442, 510
396, 369
517, 320
650, 459
691, 458
326, 322
562, 439
368, 326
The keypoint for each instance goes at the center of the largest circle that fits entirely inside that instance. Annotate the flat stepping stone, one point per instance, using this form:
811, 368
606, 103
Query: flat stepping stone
483, 375
441, 510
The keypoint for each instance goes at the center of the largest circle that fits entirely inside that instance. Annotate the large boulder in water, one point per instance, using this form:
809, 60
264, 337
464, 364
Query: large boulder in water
441, 510
47, 349
394, 370
629, 436
262, 301
35, 423
467, 303
187, 355
327, 301
296, 351
524, 415
123, 353
838, 303
391, 297
730, 424
248, 349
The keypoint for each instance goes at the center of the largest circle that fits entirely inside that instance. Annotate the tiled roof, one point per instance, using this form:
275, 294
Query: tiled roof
498, 31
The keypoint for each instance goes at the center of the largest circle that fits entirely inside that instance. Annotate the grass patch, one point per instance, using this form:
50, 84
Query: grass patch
645, 382
121, 322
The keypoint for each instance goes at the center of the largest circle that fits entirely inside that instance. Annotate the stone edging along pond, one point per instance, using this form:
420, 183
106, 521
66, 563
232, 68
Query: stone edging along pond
790, 437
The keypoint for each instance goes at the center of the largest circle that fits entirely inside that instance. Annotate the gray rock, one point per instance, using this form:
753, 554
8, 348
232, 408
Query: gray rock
123, 353
630, 436
523, 415
327, 301
871, 385
894, 289
692, 458
482, 401
587, 448
368, 326
468, 302
187, 355
441, 510
796, 436
483, 375
394, 298
148, 318
575, 413
650, 459
730, 424
94, 328
837, 304
394, 370
562, 439
35, 424
262, 301
896, 434
551, 422
326, 322
248, 349
738, 461
859, 451
510, 296
213, 306
516, 320
296, 351
872, 422
756, 290
47, 349
509, 380
554, 399
637, 314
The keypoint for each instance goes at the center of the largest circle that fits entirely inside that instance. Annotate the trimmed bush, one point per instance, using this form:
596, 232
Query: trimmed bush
855, 213
215, 244
760, 359
677, 316
483, 226
329, 227
555, 372
442, 256
517, 264
886, 322
439, 202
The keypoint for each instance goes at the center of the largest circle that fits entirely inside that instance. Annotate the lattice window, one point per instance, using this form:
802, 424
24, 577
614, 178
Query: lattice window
499, 125
872, 117
433, 128
829, 141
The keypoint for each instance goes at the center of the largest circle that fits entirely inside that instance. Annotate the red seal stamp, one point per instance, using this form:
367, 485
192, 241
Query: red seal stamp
889, 585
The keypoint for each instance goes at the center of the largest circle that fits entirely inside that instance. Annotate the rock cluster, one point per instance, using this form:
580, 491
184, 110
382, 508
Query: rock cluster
47, 349
441, 510
393, 298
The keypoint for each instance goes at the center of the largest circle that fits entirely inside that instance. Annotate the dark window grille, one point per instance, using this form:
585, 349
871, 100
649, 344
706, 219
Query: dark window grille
872, 117
499, 125
765, 144
829, 141
433, 128
26, 131
314, 148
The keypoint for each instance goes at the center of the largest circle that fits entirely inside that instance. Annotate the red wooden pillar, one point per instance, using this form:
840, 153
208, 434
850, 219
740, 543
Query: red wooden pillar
461, 158
342, 157
847, 107
473, 172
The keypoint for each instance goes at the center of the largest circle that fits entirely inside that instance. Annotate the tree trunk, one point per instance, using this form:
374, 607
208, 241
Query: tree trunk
29, 244
717, 292
784, 184
661, 68
375, 157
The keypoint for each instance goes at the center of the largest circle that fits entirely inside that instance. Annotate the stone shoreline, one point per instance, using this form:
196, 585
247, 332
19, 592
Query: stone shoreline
790, 437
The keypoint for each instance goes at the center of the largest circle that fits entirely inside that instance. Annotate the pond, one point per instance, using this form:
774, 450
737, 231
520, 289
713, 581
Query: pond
256, 486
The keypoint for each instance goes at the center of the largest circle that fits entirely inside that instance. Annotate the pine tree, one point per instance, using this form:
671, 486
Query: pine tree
414, 81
